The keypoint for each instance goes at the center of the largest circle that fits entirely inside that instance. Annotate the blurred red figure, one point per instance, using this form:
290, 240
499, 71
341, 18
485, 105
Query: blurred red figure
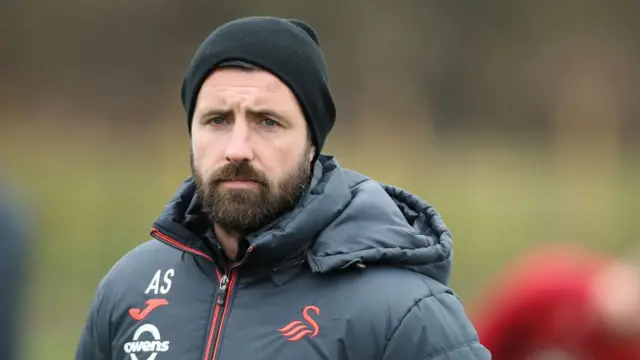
562, 303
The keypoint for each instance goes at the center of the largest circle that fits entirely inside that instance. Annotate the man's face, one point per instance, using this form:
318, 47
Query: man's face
250, 150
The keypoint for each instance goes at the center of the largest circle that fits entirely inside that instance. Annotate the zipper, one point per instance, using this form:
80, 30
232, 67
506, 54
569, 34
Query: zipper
220, 310
223, 295
226, 283
222, 290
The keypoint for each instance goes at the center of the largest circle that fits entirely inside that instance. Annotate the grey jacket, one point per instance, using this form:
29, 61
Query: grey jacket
358, 270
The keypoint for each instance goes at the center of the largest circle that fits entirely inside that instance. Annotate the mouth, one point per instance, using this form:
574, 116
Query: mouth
239, 183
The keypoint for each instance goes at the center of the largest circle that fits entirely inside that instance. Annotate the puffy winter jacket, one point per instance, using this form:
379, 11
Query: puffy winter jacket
358, 270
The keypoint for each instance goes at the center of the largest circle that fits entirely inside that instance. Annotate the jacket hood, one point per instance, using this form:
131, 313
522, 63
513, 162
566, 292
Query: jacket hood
382, 224
345, 219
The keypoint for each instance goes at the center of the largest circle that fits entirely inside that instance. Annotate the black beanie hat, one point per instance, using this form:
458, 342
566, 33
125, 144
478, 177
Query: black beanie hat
287, 48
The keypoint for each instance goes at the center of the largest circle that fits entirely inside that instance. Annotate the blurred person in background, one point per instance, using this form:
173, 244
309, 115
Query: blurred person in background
563, 302
272, 250
14, 241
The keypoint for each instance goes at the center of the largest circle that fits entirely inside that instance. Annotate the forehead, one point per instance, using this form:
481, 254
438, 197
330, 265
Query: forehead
260, 86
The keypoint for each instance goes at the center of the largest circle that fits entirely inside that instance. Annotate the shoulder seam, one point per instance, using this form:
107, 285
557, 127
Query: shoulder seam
454, 348
413, 306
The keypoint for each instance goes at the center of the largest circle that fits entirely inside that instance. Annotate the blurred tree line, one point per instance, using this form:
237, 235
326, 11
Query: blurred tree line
518, 120
525, 68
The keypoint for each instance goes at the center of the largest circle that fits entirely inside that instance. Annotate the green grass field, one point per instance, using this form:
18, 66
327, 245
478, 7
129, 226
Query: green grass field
93, 200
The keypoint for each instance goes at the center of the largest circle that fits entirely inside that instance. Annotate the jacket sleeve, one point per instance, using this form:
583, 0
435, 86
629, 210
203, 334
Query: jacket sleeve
94, 341
436, 328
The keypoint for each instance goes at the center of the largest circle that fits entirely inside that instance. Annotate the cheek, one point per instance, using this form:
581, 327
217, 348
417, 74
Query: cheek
206, 156
287, 162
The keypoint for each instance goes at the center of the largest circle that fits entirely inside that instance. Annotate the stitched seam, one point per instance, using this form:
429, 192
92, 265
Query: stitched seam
384, 350
358, 183
454, 348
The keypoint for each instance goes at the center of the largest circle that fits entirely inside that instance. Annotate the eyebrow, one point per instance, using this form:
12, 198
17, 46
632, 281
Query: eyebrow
276, 115
215, 112
225, 111
268, 112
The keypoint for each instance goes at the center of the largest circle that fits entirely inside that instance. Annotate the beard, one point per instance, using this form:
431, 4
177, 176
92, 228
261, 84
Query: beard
243, 211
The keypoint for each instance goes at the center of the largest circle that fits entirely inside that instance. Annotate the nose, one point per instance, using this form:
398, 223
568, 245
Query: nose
239, 147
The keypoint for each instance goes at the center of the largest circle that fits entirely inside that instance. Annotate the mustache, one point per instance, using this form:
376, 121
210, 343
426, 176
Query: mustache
241, 171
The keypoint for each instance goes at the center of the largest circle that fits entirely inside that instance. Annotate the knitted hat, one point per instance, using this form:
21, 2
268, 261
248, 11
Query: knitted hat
287, 48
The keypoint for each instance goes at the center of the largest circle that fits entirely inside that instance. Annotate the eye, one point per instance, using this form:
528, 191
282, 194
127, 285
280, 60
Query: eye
217, 120
269, 122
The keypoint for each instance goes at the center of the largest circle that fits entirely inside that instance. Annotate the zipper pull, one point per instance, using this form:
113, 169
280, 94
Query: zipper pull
222, 290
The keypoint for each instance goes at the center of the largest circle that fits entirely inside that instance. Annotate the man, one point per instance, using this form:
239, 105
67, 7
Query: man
272, 250
563, 302
13, 268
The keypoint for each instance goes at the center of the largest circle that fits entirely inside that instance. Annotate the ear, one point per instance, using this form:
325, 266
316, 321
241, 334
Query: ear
191, 160
312, 153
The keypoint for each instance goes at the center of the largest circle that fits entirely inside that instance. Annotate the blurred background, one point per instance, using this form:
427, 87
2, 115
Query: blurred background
517, 120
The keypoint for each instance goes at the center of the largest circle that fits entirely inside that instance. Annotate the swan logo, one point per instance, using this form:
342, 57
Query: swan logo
151, 348
296, 330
